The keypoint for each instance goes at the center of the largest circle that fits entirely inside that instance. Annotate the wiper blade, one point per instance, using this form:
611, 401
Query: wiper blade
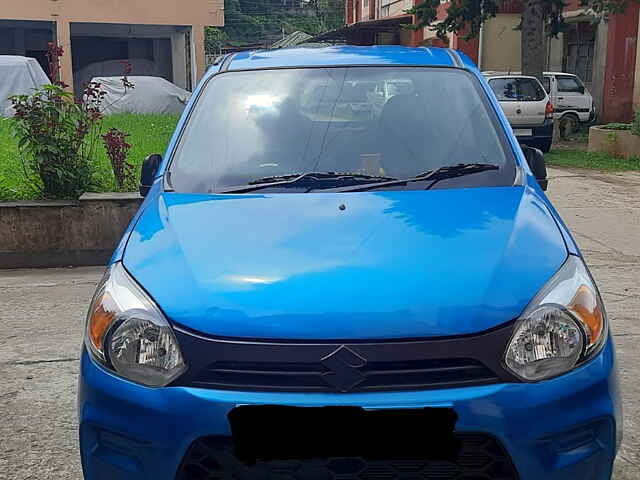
450, 171
460, 170
309, 179
319, 175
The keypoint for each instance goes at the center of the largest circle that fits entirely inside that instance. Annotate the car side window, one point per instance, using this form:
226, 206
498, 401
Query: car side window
546, 83
569, 84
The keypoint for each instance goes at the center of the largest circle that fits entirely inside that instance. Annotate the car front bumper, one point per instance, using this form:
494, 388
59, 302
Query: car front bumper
568, 427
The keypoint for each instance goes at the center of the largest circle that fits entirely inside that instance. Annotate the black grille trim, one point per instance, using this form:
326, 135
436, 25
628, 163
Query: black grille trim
382, 365
482, 457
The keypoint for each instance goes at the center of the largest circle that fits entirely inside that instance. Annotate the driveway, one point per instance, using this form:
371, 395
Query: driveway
41, 315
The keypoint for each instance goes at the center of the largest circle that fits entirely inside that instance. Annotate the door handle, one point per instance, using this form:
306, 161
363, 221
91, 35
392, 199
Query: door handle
560, 98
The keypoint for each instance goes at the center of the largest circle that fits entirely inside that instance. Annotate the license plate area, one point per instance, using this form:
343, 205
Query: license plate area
274, 432
523, 132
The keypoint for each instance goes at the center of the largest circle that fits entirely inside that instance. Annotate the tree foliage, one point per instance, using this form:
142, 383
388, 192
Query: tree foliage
467, 16
539, 18
264, 21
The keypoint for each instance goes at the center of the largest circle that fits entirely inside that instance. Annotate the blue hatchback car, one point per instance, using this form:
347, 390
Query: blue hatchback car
345, 268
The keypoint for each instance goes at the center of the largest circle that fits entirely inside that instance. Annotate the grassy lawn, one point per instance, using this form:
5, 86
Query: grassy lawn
592, 160
148, 134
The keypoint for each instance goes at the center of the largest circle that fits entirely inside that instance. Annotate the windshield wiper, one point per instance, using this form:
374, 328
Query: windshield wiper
308, 179
450, 171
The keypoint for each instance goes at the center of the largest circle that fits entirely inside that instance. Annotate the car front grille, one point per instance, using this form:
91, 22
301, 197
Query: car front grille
481, 457
400, 375
344, 367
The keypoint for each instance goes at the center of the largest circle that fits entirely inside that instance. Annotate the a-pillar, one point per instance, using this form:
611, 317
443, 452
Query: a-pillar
63, 34
620, 65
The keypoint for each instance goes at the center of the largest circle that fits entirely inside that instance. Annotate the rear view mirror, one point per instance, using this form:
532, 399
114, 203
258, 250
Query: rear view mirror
535, 159
150, 167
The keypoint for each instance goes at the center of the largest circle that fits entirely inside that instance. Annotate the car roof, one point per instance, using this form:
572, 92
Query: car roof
340, 55
506, 74
561, 73
491, 73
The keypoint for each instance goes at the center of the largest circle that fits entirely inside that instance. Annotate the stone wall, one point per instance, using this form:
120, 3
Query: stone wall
60, 233
619, 143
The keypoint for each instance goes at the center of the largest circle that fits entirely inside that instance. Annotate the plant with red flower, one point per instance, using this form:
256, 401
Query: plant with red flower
115, 142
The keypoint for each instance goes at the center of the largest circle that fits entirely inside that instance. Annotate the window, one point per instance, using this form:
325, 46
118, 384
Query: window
517, 89
365, 4
546, 83
579, 49
569, 84
384, 11
255, 124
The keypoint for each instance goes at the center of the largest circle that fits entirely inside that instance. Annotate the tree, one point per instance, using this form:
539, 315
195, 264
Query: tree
539, 17
214, 40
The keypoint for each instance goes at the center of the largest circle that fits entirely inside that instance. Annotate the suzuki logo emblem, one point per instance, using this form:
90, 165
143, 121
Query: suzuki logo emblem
343, 365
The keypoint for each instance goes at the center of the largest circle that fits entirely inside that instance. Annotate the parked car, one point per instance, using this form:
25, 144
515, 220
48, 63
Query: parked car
527, 107
572, 102
299, 297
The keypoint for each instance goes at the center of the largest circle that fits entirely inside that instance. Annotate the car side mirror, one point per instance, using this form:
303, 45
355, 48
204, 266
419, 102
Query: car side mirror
535, 159
150, 167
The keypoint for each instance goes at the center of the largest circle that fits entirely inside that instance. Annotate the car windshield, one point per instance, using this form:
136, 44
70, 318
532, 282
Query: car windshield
259, 126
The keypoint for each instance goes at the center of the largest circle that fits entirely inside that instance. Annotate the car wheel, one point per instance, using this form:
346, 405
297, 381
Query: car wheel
569, 124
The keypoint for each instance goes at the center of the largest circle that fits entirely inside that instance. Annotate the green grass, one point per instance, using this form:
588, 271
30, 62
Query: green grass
591, 160
148, 134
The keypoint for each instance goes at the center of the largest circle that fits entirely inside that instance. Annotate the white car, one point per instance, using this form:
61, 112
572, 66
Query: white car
527, 106
572, 102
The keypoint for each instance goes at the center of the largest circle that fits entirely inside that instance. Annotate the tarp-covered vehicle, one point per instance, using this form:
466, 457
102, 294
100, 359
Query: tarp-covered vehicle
148, 95
18, 76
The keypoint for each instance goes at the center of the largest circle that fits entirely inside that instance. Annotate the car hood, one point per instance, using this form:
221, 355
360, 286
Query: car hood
365, 265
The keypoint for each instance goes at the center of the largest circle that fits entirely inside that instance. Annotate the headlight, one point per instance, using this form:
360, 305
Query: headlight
127, 333
563, 326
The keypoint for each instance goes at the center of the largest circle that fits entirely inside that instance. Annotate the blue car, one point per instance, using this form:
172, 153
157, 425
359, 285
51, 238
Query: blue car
345, 267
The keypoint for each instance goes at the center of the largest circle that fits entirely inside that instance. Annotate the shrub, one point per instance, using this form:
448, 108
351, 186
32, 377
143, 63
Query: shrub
57, 135
616, 126
115, 142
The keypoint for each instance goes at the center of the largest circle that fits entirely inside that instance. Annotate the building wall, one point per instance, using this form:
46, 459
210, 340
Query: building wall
636, 81
501, 43
156, 12
200, 13
555, 53
392, 8
619, 75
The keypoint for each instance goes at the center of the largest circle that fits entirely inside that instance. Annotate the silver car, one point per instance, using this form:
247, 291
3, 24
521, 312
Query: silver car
527, 106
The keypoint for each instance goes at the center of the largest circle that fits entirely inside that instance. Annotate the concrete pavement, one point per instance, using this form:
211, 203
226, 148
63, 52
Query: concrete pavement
603, 212
42, 319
